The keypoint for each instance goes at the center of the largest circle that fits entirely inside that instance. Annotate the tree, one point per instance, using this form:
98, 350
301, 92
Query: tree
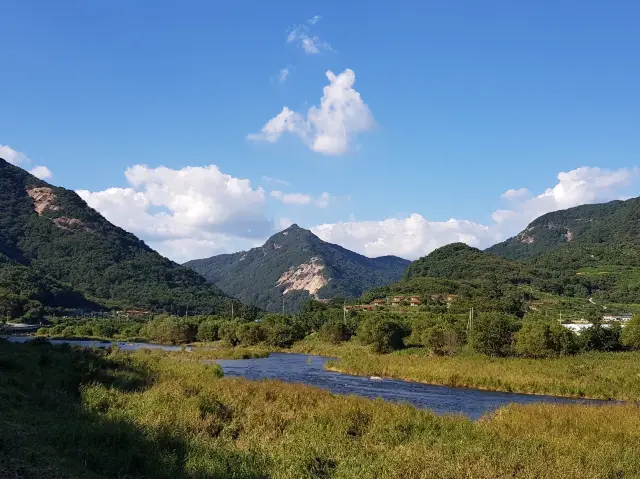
382, 334
630, 336
601, 338
492, 333
281, 331
228, 332
250, 334
168, 331
208, 330
335, 331
534, 339
445, 336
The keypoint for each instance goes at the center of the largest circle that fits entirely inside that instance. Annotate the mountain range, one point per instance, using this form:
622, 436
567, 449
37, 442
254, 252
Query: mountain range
57, 253
294, 266
587, 252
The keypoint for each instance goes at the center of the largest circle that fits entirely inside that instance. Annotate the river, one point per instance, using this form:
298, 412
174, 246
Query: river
307, 369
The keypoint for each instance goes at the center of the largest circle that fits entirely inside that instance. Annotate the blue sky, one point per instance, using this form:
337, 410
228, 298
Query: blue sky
453, 104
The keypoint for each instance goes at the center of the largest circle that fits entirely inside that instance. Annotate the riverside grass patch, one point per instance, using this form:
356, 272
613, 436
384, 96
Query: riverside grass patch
67, 413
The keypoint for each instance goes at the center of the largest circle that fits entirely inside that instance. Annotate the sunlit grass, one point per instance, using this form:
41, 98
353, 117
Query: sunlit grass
67, 413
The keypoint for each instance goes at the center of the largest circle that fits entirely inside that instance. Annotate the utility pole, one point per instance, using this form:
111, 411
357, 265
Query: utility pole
283, 305
344, 312
232, 310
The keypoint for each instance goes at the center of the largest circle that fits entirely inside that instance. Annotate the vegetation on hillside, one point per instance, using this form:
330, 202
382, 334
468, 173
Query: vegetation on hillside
253, 276
68, 413
66, 242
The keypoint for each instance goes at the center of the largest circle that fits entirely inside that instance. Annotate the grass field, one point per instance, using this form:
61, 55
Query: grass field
68, 413
590, 375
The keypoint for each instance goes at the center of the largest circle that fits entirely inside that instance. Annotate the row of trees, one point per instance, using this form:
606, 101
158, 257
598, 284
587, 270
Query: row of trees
491, 333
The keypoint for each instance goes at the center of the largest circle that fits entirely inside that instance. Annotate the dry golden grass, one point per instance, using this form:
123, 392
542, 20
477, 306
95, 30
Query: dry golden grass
152, 414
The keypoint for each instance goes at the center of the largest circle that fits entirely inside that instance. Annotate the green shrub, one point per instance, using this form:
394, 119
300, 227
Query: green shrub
382, 334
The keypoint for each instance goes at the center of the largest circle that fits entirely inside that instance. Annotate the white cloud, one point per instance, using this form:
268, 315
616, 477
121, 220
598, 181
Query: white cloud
194, 210
283, 75
311, 44
41, 172
330, 127
513, 193
12, 156
415, 236
292, 198
20, 159
301, 199
275, 181
324, 200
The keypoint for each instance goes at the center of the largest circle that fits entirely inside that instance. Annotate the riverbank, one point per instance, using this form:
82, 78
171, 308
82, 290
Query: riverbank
609, 376
68, 412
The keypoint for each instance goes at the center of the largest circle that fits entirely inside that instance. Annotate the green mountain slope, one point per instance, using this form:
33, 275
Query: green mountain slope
53, 233
614, 223
295, 265
591, 251
458, 261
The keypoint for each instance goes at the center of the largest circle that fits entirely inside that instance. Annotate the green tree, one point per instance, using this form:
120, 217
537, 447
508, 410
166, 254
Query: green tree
228, 332
250, 334
630, 336
335, 331
492, 333
601, 338
534, 339
384, 335
208, 330
168, 331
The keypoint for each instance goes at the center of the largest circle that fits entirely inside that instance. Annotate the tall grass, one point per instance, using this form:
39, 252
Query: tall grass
69, 413
589, 375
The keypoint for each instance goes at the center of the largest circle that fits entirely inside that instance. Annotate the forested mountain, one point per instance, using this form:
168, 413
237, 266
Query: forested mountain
459, 261
590, 251
56, 251
615, 224
295, 265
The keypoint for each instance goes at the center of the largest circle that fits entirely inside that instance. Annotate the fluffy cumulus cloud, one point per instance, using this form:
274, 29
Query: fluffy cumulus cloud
329, 128
187, 213
416, 236
513, 193
303, 37
23, 161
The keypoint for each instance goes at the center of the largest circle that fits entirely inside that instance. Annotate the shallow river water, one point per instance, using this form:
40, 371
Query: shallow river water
307, 369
